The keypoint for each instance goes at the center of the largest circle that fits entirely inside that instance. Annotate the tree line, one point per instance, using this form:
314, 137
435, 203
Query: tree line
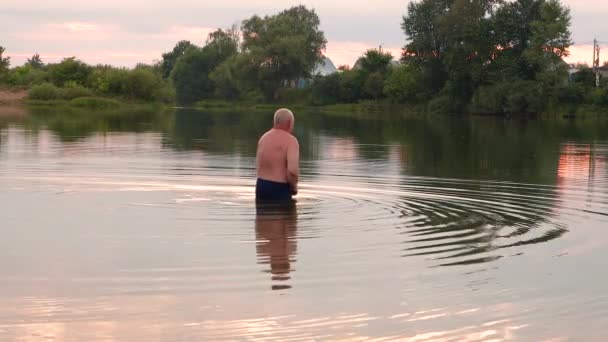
477, 56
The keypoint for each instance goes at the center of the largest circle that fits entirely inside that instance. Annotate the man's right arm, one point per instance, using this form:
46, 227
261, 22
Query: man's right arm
293, 165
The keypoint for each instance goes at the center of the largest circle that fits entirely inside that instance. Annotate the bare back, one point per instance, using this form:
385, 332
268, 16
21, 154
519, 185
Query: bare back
278, 157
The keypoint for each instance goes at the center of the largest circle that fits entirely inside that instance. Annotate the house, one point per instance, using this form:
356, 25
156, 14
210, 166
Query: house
572, 70
603, 71
326, 67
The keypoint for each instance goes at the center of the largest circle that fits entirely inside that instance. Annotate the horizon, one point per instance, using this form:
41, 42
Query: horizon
96, 34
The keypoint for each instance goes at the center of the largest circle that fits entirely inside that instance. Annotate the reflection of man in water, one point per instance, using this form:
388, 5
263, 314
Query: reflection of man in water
277, 160
275, 230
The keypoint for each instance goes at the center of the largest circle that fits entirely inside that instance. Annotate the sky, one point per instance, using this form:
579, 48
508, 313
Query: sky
125, 32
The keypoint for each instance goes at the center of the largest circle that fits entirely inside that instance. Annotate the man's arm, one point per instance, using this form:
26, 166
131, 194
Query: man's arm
293, 165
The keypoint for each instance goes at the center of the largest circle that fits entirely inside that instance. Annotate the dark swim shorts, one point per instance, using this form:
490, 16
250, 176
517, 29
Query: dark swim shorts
266, 190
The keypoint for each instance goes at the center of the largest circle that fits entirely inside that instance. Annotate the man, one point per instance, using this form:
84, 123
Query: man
277, 160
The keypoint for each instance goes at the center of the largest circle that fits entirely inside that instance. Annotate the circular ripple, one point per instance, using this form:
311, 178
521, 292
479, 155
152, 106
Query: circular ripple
454, 222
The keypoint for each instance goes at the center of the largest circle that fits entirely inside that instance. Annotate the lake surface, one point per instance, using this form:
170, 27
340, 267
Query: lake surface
142, 226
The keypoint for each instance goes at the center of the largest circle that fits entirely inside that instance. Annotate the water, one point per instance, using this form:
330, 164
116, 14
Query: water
142, 226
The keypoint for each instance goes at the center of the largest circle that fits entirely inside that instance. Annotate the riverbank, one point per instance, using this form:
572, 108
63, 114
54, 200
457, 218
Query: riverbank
12, 97
386, 107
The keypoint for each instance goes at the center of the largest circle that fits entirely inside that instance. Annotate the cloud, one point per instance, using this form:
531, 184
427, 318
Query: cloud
580, 54
148, 27
347, 53
102, 43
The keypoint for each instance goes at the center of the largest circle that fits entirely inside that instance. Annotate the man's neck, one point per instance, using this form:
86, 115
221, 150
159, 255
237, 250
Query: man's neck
280, 128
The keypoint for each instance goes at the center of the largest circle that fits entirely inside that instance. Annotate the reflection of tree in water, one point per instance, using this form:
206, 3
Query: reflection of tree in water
229, 132
275, 230
73, 124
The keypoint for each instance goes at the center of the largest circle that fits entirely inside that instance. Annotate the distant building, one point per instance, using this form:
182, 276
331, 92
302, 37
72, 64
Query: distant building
603, 71
326, 67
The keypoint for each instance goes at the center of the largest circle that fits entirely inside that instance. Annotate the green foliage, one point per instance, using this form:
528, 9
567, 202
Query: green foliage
144, 83
466, 50
231, 79
35, 62
293, 96
405, 84
170, 58
599, 97
326, 89
283, 47
572, 94
373, 61
191, 74
141, 84
518, 97
585, 77
5, 63
373, 86
69, 70
95, 103
26, 75
73, 90
45, 91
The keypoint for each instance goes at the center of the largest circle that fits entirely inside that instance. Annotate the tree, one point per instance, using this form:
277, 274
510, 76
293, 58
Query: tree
235, 77
222, 45
191, 73
426, 45
284, 47
374, 61
5, 62
374, 84
35, 61
190, 76
141, 84
170, 58
462, 46
405, 84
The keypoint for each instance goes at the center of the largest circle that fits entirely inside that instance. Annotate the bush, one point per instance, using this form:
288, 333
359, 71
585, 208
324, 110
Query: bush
443, 104
571, 94
165, 94
404, 84
517, 97
44, 91
95, 103
488, 100
69, 70
73, 90
351, 86
117, 79
326, 89
293, 96
141, 84
599, 97
26, 75
373, 86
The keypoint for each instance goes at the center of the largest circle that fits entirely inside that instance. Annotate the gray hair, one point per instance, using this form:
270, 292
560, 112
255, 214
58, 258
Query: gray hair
282, 116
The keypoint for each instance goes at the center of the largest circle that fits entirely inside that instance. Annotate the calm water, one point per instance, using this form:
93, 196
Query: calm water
142, 227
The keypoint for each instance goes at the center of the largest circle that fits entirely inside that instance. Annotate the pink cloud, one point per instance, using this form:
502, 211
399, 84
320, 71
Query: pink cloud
347, 53
581, 54
100, 43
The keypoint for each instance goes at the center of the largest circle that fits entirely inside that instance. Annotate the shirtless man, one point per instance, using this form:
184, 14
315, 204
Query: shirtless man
277, 160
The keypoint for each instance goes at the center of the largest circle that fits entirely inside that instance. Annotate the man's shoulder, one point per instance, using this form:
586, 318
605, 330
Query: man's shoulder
293, 140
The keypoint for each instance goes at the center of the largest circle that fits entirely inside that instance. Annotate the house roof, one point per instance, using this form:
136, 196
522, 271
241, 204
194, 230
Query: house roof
326, 67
